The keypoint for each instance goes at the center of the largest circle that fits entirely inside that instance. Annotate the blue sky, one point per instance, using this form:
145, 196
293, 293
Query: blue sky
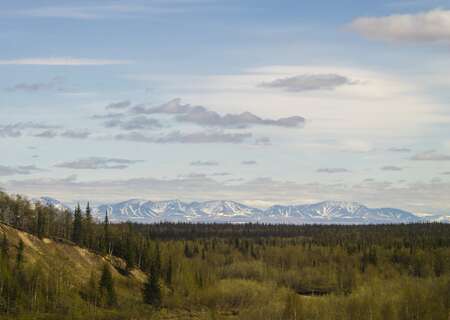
257, 101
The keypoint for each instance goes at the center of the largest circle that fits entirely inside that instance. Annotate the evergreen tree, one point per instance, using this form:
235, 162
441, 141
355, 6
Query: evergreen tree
67, 224
152, 289
5, 248
157, 261
19, 257
129, 254
108, 293
88, 231
187, 251
169, 272
40, 223
77, 232
92, 290
106, 236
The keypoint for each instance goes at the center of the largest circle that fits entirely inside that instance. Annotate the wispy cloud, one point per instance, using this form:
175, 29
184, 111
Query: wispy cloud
309, 82
391, 168
20, 170
55, 84
64, 61
203, 163
48, 134
332, 170
119, 105
399, 149
220, 174
76, 134
106, 10
204, 117
136, 123
201, 187
109, 116
263, 141
98, 163
179, 137
15, 130
431, 26
431, 155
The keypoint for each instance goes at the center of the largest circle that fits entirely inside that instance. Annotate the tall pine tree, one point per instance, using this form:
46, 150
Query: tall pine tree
152, 289
77, 230
88, 231
107, 291
106, 236
40, 223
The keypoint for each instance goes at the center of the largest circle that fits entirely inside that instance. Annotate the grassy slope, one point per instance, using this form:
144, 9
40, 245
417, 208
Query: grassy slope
81, 263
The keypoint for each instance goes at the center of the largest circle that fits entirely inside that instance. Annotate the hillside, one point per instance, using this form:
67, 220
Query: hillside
71, 264
79, 260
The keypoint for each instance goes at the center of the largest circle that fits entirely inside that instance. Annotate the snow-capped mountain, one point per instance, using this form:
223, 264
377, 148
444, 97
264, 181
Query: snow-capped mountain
175, 210
230, 211
339, 212
47, 201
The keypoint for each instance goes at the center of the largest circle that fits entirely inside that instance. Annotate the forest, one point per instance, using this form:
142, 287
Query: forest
218, 271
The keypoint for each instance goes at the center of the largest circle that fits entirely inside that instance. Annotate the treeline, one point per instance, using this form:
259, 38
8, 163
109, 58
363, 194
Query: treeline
256, 271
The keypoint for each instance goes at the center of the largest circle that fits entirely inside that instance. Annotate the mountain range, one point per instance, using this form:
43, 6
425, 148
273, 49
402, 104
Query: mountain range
326, 212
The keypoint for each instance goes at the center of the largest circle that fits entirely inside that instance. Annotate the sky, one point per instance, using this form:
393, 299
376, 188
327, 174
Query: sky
261, 102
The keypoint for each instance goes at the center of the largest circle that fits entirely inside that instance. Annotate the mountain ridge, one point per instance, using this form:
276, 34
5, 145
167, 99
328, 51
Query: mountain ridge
228, 211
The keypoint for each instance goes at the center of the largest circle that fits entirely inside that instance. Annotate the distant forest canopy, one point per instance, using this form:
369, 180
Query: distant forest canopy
228, 271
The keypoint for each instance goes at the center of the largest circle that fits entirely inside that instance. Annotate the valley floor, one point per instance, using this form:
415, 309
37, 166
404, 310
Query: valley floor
59, 265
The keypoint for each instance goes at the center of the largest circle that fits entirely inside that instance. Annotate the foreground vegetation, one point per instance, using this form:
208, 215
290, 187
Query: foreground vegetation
187, 271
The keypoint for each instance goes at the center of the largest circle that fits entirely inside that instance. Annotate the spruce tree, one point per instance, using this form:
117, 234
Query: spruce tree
106, 235
107, 286
88, 229
5, 248
169, 272
40, 223
152, 289
157, 261
129, 254
68, 224
19, 256
77, 231
92, 290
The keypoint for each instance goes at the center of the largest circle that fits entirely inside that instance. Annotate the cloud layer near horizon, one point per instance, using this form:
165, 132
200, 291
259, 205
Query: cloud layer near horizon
431, 26
417, 197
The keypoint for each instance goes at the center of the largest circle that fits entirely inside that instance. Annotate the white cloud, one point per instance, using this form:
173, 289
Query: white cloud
98, 163
431, 155
309, 82
119, 105
204, 117
431, 26
55, 84
182, 137
381, 102
48, 134
63, 61
20, 170
207, 163
391, 168
332, 170
399, 149
76, 134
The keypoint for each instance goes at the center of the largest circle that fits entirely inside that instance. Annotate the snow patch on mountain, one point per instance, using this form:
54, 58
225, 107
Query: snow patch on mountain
338, 212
